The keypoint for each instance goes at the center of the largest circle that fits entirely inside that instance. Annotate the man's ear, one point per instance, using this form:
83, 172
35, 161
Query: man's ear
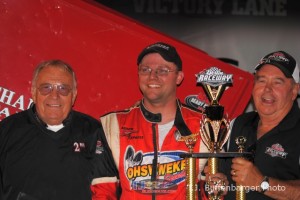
295, 91
180, 77
74, 95
33, 94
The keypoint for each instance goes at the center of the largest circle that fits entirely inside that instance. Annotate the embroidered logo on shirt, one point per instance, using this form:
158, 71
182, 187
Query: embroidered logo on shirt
99, 147
127, 132
276, 150
78, 146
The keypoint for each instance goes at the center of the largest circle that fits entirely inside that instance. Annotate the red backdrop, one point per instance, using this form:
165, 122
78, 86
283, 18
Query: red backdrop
102, 46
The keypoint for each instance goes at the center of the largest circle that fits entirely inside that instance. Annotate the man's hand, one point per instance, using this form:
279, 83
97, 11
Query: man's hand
215, 183
245, 173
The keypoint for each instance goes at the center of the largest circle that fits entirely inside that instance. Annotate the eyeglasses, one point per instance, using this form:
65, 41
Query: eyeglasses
158, 71
47, 88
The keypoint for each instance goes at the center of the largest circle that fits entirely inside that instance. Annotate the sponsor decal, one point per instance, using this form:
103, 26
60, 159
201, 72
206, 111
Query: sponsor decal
158, 186
195, 102
276, 150
99, 147
127, 132
12, 102
138, 170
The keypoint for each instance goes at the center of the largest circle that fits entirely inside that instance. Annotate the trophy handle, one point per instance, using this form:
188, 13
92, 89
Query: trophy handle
240, 192
191, 186
190, 167
214, 93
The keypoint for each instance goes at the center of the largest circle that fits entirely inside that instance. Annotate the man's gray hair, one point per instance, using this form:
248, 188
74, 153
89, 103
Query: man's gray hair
54, 63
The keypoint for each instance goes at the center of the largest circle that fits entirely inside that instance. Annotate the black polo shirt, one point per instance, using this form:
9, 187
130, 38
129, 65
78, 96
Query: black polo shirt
276, 153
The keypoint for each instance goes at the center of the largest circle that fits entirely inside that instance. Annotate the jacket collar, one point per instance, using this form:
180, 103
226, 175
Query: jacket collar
154, 118
178, 122
41, 122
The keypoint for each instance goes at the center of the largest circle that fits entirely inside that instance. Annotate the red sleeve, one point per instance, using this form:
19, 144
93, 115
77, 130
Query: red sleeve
104, 191
202, 190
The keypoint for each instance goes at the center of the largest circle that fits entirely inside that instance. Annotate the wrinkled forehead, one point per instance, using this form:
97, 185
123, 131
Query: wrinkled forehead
54, 74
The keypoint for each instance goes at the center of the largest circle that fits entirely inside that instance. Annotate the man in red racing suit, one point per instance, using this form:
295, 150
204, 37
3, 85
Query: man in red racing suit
147, 168
146, 140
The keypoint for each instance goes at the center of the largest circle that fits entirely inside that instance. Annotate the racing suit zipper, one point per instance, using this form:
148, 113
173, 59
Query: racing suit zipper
155, 159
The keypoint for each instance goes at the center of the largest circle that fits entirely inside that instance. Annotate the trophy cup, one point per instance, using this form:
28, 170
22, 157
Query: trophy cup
214, 126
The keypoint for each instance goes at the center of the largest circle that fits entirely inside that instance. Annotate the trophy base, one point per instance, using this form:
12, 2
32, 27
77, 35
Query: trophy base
217, 155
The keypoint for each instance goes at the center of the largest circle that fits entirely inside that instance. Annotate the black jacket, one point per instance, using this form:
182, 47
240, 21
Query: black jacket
39, 164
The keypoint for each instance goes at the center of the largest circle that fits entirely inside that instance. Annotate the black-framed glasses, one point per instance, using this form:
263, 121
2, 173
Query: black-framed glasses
47, 88
158, 71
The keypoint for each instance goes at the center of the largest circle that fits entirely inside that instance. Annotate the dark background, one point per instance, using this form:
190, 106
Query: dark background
241, 31
260, 26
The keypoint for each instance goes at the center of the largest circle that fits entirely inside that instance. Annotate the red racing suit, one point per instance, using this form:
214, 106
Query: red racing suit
147, 171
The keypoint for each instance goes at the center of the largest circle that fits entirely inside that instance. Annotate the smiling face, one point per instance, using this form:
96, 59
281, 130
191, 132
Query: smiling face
53, 108
273, 93
159, 88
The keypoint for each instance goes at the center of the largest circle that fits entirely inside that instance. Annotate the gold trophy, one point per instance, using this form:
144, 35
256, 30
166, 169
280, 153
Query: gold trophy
214, 126
214, 131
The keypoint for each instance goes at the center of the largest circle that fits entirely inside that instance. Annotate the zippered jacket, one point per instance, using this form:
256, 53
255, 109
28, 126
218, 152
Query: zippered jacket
39, 164
147, 171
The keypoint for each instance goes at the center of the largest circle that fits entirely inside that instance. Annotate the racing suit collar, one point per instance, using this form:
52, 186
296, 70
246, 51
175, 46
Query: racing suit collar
179, 123
154, 118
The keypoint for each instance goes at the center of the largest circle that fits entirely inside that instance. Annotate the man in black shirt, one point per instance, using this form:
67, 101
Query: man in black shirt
272, 133
51, 152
